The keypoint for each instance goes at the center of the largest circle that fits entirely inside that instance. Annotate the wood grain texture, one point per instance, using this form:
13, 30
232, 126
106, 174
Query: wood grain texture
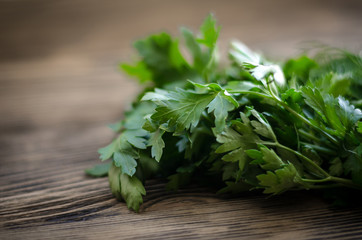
60, 87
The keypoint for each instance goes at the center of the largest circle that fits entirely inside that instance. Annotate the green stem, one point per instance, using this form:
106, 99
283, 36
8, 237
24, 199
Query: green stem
340, 181
252, 93
328, 177
308, 135
306, 121
306, 159
302, 118
291, 110
320, 149
346, 182
272, 93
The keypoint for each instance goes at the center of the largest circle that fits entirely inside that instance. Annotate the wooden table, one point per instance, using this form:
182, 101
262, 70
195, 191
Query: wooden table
60, 87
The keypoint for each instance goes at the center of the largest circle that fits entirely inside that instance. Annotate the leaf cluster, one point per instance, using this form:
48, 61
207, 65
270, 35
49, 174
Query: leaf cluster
250, 125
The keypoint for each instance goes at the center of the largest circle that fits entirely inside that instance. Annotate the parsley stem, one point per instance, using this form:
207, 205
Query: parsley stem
343, 181
308, 135
316, 166
252, 93
305, 120
328, 177
271, 91
291, 110
320, 148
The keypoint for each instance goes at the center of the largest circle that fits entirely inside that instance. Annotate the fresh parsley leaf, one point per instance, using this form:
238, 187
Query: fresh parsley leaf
353, 165
157, 144
210, 32
280, 180
108, 151
139, 70
336, 168
299, 68
99, 170
126, 162
220, 106
200, 57
114, 181
183, 110
132, 190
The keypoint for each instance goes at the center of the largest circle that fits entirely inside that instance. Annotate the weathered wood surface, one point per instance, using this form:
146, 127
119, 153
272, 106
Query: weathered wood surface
59, 87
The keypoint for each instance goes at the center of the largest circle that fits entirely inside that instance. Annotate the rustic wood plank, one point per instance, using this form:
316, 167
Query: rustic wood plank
60, 87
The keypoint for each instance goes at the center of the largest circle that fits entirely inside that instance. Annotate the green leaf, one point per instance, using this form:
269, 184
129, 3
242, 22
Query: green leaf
135, 137
241, 54
148, 167
359, 128
126, 187
299, 68
280, 180
155, 51
254, 154
132, 190
139, 70
347, 113
116, 127
237, 86
210, 32
99, 170
337, 113
176, 58
314, 99
230, 171
243, 138
340, 87
262, 127
237, 155
293, 98
353, 165
220, 105
271, 160
135, 118
114, 181
267, 158
157, 144
261, 72
161, 56
108, 151
238, 142
157, 95
183, 110
200, 59
230, 140
126, 162
336, 168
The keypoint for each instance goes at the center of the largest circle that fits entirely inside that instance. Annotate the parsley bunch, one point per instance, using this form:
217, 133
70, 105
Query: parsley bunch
252, 124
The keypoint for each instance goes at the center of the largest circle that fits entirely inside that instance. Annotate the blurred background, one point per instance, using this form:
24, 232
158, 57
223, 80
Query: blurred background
59, 78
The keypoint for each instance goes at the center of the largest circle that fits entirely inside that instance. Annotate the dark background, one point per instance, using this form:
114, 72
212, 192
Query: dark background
60, 86
35, 29
59, 59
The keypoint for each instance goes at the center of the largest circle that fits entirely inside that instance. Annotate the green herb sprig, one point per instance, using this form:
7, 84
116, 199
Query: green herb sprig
252, 124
